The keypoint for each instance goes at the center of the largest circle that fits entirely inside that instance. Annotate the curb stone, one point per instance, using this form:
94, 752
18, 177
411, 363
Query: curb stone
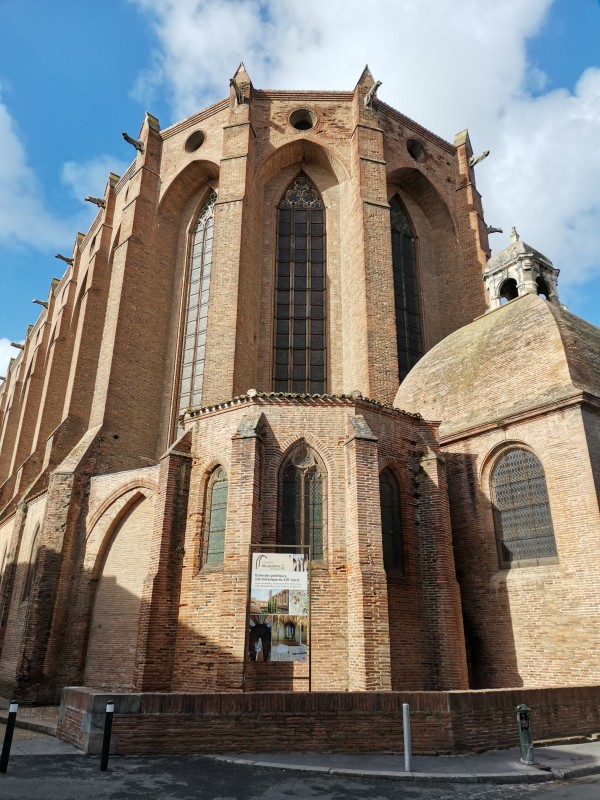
39, 726
544, 776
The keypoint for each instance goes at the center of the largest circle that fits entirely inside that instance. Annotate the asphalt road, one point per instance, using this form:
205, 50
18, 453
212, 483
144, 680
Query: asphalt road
182, 778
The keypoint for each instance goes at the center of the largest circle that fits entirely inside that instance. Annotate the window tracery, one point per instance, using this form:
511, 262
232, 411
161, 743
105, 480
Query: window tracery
406, 289
194, 341
300, 307
302, 501
521, 508
213, 538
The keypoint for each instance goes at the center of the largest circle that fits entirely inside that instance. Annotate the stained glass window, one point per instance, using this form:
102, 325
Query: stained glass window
215, 519
391, 522
406, 290
302, 520
521, 508
194, 341
299, 358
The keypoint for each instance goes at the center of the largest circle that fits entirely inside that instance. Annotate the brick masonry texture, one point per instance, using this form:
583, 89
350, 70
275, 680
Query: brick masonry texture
103, 489
334, 722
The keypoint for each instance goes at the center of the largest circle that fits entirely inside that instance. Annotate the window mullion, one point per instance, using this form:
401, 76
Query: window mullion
290, 364
303, 508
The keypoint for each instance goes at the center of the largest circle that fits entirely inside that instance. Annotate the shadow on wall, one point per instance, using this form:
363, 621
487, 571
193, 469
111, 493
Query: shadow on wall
106, 642
487, 621
93, 630
25, 611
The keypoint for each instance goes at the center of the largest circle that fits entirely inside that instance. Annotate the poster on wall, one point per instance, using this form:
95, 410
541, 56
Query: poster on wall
278, 620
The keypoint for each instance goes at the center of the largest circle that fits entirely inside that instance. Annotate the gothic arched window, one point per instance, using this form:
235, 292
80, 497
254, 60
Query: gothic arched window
213, 536
521, 509
299, 337
391, 522
302, 501
406, 289
194, 342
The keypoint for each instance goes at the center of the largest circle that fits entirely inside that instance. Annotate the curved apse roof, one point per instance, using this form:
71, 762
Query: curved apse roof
523, 355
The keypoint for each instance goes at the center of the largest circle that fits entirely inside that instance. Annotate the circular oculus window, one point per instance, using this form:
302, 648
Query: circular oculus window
303, 119
415, 149
194, 141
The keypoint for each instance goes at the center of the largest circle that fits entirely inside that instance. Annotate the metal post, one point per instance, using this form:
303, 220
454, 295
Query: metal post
10, 726
110, 708
406, 730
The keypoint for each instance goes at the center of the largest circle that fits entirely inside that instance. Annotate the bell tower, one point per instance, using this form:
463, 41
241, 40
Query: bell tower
519, 270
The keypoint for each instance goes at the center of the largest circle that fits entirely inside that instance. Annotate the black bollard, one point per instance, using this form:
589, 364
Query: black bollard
10, 726
110, 708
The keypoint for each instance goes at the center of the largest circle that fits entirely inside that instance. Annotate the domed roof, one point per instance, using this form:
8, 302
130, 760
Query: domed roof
511, 253
523, 355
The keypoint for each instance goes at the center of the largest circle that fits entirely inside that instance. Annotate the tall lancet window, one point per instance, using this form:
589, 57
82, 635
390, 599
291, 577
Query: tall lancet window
194, 343
300, 346
302, 516
406, 290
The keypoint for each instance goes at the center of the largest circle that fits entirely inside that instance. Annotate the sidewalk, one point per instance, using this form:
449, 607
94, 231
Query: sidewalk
557, 761
503, 766
34, 718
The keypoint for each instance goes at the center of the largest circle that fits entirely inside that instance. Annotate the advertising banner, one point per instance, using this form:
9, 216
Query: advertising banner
278, 623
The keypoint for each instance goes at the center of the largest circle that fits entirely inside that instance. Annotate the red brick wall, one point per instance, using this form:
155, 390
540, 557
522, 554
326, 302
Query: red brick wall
115, 375
350, 633
536, 623
125, 287
17, 606
334, 722
111, 650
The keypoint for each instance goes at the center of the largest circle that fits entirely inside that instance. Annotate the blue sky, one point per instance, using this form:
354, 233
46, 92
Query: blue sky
522, 75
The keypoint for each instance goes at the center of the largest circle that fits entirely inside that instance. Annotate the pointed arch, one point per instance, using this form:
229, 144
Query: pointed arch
196, 320
302, 500
406, 289
122, 564
391, 522
215, 519
299, 357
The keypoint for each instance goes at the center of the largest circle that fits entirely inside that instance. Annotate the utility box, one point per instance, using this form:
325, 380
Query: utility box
525, 737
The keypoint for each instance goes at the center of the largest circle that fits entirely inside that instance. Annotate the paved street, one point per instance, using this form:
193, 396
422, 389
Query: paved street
42, 767
72, 777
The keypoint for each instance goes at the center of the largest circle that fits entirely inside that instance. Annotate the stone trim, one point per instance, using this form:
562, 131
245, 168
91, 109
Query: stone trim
579, 398
416, 128
220, 105
282, 398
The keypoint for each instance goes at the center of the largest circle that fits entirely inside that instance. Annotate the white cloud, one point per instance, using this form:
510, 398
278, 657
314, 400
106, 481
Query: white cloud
85, 178
23, 215
435, 62
446, 66
545, 174
6, 353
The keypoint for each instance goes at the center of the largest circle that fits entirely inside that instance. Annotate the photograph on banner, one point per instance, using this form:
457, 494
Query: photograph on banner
289, 638
278, 624
260, 637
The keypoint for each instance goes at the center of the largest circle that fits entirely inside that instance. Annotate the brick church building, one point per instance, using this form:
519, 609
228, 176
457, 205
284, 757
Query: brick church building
284, 327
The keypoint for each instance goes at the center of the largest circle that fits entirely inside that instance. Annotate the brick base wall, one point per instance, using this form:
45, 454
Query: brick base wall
325, 722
